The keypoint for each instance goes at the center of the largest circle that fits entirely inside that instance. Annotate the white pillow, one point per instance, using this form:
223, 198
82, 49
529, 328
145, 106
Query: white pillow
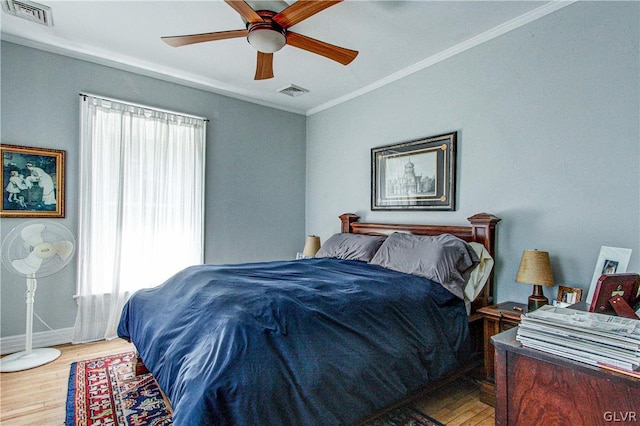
478, 276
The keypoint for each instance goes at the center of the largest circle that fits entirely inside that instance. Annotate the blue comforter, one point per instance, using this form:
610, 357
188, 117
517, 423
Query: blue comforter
305, 342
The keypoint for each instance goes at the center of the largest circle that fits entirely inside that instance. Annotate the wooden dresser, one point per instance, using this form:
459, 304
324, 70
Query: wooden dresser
536, 388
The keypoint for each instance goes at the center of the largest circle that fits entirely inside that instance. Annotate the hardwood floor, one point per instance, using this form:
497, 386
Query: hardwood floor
38, 396
458, 403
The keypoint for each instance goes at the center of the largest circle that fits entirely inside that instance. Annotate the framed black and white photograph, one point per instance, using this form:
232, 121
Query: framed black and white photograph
611, 260
415, 175
32, 182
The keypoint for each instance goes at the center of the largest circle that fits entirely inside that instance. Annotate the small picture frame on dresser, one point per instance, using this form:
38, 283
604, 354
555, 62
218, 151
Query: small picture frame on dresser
569, 295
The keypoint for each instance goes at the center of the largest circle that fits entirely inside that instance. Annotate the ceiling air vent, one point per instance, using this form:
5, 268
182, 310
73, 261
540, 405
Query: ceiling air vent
29, 10
293, 91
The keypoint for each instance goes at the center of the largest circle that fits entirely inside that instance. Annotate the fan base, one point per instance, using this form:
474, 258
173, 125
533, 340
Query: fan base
23, 361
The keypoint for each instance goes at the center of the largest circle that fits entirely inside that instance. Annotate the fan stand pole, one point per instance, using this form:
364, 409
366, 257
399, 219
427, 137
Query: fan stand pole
30, 297
29, 358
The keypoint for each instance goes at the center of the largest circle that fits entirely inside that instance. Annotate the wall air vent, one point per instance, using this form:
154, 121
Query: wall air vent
293, 91
29, 10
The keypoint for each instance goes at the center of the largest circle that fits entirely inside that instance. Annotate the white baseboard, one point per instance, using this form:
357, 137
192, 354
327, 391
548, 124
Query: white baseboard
41, 339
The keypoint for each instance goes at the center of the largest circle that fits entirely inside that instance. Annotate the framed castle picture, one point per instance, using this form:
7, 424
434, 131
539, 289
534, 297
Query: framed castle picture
32, 182
415, 175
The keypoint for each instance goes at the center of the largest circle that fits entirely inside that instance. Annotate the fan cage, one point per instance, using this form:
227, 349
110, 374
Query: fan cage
15, 248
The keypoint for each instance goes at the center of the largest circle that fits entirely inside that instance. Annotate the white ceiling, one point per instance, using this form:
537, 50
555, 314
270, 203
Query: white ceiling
394, 38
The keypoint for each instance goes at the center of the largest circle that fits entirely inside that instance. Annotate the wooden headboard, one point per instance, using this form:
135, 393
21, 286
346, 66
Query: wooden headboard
482, 229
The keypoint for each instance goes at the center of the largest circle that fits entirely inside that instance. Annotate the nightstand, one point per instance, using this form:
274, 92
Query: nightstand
496, 318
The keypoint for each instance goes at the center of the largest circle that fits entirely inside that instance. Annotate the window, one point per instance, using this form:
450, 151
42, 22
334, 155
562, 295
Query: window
141, 205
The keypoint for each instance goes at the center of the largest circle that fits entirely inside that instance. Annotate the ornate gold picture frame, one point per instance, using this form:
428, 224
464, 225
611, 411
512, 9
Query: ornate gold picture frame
32, 182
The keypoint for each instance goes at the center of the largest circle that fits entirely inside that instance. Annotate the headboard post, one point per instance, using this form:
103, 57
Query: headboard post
483, 228
347, 219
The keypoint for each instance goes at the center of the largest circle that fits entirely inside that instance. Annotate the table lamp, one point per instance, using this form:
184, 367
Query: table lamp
535, 268
311, 246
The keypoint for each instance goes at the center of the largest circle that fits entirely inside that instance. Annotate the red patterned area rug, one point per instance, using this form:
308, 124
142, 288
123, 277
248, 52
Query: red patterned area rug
104, 391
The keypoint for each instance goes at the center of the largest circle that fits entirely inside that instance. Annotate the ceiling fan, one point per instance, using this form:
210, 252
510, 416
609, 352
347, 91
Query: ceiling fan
267, 30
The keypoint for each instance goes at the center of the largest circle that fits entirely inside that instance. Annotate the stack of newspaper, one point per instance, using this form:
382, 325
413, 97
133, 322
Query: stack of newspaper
603, 340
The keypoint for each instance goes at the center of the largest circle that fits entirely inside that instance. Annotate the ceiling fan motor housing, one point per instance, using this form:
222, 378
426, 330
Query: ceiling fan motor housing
267, 36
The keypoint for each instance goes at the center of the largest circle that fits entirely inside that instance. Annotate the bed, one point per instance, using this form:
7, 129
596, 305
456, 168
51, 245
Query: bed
328, 340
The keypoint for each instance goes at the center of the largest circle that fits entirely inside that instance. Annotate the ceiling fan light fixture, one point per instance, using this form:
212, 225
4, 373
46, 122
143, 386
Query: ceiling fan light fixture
266, 38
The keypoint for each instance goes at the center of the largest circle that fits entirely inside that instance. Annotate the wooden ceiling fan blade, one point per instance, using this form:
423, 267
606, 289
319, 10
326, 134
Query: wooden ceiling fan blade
264, 66
177, 41
301, 10
245, 11
335, 53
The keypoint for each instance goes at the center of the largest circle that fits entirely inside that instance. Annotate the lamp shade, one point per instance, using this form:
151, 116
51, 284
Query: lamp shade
535, 268
311, 246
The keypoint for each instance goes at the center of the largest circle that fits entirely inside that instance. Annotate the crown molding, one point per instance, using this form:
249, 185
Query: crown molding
214, 86
135, 66
495, 32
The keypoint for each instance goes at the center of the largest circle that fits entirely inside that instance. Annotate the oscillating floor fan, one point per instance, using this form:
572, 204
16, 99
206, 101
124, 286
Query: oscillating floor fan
35, 250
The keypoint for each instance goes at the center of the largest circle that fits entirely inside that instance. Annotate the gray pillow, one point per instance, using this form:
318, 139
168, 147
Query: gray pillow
444, 258
351, 246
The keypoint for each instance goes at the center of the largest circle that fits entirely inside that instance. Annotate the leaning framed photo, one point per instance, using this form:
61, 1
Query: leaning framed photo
608, 286
32, 182
415, 175
611, 260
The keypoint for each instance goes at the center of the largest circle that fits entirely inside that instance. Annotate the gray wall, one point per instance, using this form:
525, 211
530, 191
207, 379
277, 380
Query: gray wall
547, 119
255, 176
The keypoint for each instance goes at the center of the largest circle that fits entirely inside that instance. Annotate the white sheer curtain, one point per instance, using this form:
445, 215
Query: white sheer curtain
141, 205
